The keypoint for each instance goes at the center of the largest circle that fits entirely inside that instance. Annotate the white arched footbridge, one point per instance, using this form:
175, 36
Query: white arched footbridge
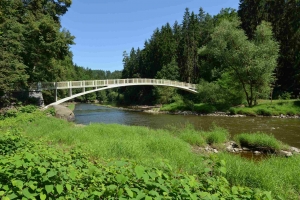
98, 85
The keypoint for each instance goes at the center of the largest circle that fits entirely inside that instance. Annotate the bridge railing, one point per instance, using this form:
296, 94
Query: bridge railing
108, 82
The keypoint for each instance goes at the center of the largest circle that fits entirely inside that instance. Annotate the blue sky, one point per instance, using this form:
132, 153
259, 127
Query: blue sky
105, 28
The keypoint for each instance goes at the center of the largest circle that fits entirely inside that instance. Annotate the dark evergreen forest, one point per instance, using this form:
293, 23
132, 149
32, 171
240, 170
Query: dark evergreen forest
235, 56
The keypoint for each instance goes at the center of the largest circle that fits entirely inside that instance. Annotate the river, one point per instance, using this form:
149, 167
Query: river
286, 130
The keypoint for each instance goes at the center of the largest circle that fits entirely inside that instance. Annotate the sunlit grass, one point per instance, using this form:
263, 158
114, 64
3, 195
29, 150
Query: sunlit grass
112, 141
276, 174
149, 147
278, 107
176, 106
71, 106
258, 140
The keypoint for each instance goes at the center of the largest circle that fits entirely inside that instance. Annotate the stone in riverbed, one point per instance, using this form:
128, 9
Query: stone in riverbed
63, 112
236, 150
230, 149
246, 149
295, 150
285, 153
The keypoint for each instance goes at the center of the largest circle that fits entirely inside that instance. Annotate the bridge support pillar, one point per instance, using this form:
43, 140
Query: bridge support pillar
55, 95
83, 84
70, 92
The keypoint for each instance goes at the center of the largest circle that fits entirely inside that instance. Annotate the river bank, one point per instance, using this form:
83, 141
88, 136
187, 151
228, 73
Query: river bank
155, 148
255, 111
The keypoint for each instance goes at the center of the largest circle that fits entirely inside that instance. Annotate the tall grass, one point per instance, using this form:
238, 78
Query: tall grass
279, 175
278, 107
259, 140
112, 141
216, 135
150, 147
189, 134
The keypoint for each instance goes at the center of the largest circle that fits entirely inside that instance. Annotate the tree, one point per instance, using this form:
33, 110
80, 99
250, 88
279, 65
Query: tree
251, 63
12, 68
169, 72
284, 16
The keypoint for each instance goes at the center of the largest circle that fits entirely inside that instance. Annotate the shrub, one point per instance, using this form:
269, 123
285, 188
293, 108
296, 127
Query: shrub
264, 112
205, 108
286, 95
27, 109
11, 113
50, 111
232, 111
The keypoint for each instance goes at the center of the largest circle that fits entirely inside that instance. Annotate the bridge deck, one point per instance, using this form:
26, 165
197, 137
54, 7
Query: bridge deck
98, 85
110, 82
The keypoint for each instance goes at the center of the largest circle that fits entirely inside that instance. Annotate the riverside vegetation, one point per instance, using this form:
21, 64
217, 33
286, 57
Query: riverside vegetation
263, 108
44, 157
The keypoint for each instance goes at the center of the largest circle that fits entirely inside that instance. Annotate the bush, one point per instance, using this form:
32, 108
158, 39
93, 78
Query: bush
50, 111
11, 113
286, 96
205, 108
27, 109
232, 111
264, 112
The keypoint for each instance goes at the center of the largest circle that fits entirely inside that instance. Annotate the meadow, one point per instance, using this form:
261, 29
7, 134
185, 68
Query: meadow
163, 150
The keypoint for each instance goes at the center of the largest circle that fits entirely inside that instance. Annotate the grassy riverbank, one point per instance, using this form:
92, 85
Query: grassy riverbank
159, 149
264, 107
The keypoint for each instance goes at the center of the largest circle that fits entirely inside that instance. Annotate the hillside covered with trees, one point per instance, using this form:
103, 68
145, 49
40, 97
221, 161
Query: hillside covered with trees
235, 56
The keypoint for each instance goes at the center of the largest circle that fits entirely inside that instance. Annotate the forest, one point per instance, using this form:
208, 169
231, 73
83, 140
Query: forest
235, 57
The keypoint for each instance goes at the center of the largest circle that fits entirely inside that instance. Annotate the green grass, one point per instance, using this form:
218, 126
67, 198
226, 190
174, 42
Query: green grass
260, 140
112, 141
71, 106
181, 106
155, 148
279, 175
43, 171
176, 106
189, 134
266, 108
216, 135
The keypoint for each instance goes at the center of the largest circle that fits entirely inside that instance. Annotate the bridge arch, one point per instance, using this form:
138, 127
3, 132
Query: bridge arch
109, 84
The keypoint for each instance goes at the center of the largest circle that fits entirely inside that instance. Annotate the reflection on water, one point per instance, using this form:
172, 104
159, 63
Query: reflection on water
286, 130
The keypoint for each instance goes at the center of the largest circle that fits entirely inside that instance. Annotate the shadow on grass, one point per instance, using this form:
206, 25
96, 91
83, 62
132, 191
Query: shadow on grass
297, 103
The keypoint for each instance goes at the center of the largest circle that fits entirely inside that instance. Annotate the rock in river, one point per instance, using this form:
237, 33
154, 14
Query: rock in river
63, 112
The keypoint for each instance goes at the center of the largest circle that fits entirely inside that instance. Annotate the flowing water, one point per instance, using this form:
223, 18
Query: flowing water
286, 130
